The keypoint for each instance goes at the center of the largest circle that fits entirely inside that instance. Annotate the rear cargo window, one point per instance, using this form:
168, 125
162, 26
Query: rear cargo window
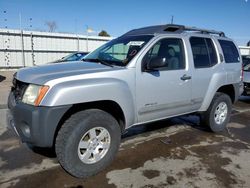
230, 51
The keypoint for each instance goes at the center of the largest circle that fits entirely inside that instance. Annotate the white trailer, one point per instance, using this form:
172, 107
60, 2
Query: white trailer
244, 50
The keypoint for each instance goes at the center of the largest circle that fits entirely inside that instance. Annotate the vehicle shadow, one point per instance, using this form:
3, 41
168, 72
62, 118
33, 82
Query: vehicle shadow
2, 78
187, 120
47, 152
158, 126
245, 99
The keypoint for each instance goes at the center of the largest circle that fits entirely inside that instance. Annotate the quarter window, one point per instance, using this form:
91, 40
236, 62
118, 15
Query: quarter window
230, 51
204, 53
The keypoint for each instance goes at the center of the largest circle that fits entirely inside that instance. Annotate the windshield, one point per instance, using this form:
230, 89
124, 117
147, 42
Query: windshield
119, 51
246, 63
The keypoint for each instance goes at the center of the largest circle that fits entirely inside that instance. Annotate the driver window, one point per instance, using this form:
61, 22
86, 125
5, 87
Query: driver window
171, 49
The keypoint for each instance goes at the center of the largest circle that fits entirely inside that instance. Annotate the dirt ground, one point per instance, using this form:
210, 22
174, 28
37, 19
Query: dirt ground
178, 152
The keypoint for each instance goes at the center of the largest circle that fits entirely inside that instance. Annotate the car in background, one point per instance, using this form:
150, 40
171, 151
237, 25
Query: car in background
77, 56
246, 73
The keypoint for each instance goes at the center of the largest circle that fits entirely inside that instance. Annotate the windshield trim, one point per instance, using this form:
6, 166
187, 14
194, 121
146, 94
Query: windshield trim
98, 61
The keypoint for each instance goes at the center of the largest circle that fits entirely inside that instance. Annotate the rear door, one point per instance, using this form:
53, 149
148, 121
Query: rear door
205, 60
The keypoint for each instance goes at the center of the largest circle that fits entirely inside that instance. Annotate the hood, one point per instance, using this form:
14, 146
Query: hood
42, 74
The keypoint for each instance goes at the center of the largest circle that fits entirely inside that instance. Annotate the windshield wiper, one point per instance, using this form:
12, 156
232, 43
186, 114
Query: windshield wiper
99, 61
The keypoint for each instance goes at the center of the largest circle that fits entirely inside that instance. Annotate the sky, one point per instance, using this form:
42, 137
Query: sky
119, 16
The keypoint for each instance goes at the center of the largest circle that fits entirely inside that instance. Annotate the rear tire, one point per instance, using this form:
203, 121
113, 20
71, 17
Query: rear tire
87, 142
218, 114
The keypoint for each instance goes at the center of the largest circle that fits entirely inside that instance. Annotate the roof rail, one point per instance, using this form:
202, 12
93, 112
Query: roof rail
182, 28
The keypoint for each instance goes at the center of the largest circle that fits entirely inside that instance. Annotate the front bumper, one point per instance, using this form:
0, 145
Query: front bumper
34, 125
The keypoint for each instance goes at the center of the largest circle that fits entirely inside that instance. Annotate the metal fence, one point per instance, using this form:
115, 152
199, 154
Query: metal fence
29, 48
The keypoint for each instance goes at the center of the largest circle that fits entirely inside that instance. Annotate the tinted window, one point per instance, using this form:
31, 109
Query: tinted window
171, 49
204, 53
211, 52
230, 51
246, 63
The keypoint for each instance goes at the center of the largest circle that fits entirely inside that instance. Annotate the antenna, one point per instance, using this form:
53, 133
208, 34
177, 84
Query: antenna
172, 19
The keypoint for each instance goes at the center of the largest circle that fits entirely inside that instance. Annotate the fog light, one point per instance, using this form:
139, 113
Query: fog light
26, 130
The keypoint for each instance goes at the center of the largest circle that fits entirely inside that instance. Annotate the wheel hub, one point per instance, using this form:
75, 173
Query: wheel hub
220, 114
94, 145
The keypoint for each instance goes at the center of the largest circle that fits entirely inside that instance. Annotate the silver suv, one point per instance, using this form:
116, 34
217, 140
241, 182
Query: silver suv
147, 74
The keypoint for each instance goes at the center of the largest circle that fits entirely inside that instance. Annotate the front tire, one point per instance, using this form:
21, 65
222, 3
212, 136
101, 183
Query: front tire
218, 114
87, 142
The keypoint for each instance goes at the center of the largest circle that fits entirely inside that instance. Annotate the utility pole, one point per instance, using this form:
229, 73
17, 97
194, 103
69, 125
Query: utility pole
5, 19
6, 41
77, 36
87, 42
32, 43
172, 19
89, 30
22, 42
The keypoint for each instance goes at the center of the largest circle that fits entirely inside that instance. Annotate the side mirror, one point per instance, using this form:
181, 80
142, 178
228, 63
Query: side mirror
156, 63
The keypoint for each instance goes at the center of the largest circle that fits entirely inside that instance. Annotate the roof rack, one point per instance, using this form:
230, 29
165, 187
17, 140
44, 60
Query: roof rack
171, 28
182, 28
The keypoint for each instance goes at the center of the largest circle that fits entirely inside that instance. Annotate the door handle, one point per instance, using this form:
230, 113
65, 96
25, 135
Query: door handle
185, 77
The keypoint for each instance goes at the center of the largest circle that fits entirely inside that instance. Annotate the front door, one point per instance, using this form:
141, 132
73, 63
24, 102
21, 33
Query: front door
164, 91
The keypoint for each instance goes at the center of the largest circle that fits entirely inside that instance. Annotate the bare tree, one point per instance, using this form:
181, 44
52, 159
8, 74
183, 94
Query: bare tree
52, 26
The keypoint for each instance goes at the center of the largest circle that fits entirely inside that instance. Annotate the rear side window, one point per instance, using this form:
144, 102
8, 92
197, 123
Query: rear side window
230, 51
204, 53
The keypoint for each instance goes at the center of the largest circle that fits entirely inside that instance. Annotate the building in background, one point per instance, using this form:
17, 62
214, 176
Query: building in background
30, 48
245, 50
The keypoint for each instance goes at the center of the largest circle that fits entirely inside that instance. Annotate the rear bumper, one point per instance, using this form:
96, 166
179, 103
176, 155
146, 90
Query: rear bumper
34, 125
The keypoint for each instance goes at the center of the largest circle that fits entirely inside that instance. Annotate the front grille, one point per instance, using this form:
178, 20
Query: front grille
18, 89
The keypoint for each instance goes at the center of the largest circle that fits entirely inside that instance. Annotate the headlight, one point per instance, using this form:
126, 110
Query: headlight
34, 94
